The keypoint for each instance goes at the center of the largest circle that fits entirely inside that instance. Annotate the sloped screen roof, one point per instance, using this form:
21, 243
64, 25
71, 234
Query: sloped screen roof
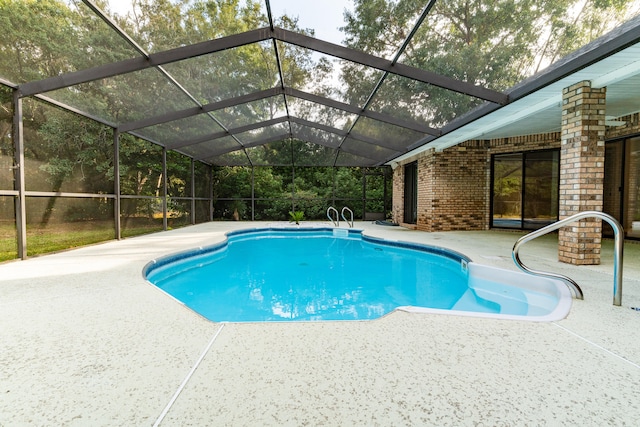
280, 82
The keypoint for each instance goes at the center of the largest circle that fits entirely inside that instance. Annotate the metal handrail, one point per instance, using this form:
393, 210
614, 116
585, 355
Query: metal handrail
336, 222
350, 224
617, 256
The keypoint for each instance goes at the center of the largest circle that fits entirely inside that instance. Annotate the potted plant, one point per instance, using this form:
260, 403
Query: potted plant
296, 216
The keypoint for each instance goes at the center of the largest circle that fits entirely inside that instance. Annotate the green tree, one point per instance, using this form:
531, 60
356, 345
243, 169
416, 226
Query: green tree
491, 43
73, 152
49, 37
6, 144
43, 38
161, 25
589, 20
29, 49
140, 167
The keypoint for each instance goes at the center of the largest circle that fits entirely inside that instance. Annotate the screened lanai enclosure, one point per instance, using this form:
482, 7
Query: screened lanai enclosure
122, 117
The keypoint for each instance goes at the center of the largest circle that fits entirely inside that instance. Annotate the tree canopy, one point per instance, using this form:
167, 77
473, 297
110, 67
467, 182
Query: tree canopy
490, 43
494, 44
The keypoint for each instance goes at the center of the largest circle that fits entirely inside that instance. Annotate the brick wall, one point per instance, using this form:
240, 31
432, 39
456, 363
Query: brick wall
452, 188
397, 198
426, 191
454, 185
581, 171
543, 141
631, 127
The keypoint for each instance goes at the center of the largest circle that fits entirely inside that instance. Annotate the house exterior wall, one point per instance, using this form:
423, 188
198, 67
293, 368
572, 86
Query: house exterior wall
452, 188
631, 127
454, 185
545, 141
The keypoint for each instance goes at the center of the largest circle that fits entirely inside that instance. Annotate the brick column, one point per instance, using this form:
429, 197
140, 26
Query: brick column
581, 171
397, 197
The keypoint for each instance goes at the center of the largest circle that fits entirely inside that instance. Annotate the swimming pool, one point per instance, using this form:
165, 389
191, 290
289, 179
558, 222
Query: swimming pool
312, 274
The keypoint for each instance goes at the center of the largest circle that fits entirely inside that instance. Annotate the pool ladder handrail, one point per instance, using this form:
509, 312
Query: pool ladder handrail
617, 256
336, 222
349, 223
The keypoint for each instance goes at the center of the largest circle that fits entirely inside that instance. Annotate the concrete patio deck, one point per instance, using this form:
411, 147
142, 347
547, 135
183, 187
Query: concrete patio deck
86, 341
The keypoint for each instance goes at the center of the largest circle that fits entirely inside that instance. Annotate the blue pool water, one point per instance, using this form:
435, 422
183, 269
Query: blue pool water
326, 274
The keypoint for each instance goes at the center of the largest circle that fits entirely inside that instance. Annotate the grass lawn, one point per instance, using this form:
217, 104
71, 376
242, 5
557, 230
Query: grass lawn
62, 236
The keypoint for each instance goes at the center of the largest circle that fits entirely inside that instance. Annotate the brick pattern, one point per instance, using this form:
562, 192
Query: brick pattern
631, 127
544, 141
397, 198
426, 191
451, 189
581, 171
453, 185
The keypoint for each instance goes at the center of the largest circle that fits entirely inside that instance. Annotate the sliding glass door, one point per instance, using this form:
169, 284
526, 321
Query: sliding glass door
506, 192
632, 199
411, 193
622, 185
524, 192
